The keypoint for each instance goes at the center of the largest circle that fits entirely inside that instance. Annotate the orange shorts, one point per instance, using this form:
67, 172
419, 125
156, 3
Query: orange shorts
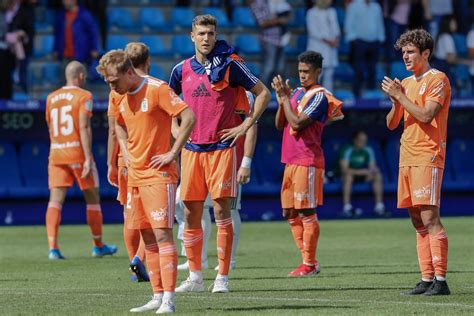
64, 176
419, 186
122, 185
213, 172
151, 206
302, 187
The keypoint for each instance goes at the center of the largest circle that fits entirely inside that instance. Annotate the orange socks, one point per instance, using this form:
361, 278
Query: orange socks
192, 239
439, 251
225, 236
153, 265
296, 226
168, 265
53, 219
132, 240
423, 249
310, 238
94, 220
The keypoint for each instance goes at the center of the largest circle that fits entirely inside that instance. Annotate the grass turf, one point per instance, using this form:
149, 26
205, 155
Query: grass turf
365, 265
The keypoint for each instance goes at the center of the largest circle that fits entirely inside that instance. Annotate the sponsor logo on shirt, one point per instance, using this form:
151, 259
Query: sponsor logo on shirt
144, 105
422, 192
158, 215
201, 91
227, 184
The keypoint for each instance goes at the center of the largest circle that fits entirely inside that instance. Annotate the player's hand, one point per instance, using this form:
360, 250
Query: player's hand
392, 87
86, 169
233, 133
243, 175
112, 175
159, 161
282, 88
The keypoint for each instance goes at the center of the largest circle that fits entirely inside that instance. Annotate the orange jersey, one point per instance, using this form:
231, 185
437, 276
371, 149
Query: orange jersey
113, 111
63, 107
146, 113
424, 144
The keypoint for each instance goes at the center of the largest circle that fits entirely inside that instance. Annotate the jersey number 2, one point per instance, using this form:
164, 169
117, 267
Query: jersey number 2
62, 116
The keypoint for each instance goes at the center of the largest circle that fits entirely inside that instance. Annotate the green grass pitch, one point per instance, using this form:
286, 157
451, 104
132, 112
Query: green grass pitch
365, 265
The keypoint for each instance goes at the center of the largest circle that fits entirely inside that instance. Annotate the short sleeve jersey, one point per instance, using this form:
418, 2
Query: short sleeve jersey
63, 108
424, 144
147, 113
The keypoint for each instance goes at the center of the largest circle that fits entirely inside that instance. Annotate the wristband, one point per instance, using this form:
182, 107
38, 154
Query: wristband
246, 162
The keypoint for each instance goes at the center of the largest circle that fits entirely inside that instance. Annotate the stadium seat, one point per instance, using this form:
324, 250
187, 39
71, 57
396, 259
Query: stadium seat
182, 45
270, 168
121, 19
299, 46
116, 42
248, 44
392, 155
398, 70
182, 17
463, 79
44, 45
343, 94
153, 19
9, 169
52, 73
460, 156
243, 17
158, 72
332, 153
99, 151
34, 168
156, 45
344, 73
44, 20
344, 47
460, 43
254, 68
219, 14
298, 18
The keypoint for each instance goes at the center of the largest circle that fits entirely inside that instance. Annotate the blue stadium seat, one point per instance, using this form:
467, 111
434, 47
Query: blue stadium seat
219, 14
343, 94
298, 18
344, 47
121, 19
379, 156
52, 73
116, 42
182, 17
460, 155
158, 72
44, 20
341, 16
270, 168
44, 45
99, 151
248, 44
243, 17
34, 168
182, 45
460, 43
373, 94
398, 70
344, 73
463, 78
9, 168
301, 43
332, 152
254, 68
153, 19
392, 155
156, 45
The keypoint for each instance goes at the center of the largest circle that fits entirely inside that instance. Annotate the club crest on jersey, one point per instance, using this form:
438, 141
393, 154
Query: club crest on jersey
144, 105
423, 88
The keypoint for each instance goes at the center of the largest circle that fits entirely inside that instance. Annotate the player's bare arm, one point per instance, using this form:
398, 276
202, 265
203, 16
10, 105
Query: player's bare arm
85, 133
423, 114
243, 175
188, 120
112, 153
297, 122
262, 97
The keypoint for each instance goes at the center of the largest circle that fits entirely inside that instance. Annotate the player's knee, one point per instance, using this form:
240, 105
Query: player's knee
163, 235
221, 213
289, 214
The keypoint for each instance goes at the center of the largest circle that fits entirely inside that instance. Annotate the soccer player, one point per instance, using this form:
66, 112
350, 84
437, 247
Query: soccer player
117, 170
68, 115
144, 136
302, 115
213, 83
422, 100
245, 151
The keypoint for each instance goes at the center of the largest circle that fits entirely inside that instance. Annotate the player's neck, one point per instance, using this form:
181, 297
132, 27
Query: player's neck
141, 72
419, 72
201, 58
136, 82
309, 87
72, 83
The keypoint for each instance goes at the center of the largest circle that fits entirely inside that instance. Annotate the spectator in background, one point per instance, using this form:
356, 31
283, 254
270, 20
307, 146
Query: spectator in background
7, 60
323, 37
444, 56
365, 40
470, 55
439, 8
75, 34
396, 15
273, 28
358, 164
20, 17
420, 15
98, 9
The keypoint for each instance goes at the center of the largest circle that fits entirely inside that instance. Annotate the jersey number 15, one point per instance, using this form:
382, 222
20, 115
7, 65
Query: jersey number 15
62, 116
